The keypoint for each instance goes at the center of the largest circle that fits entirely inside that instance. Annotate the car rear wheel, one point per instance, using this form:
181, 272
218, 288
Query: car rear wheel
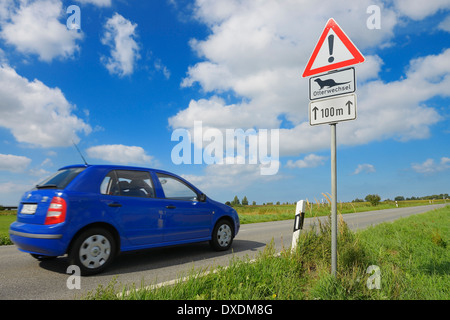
222, 236
93, 250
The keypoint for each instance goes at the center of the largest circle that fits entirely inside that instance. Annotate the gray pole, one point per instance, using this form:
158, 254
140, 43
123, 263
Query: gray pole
333, 201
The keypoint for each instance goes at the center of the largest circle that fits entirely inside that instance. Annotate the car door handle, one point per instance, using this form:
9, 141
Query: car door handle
114, 204
170, 207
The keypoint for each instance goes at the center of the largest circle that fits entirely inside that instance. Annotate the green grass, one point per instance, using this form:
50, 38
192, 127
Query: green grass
253, 214
5, 220
412, 253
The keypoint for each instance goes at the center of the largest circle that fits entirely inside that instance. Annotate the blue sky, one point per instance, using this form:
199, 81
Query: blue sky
137, 71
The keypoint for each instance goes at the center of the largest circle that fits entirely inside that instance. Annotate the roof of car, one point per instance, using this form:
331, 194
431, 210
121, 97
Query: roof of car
111, 166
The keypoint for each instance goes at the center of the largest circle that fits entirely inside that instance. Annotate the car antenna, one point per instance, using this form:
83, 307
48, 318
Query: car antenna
81, 155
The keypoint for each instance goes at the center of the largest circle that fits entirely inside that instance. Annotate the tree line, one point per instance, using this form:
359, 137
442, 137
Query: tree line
374, 199
236, 202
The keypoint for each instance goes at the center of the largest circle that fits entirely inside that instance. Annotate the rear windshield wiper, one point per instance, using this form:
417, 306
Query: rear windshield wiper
47, 186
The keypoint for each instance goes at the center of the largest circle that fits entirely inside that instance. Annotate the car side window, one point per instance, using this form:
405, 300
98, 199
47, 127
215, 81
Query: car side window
109, 185
128, 183
176, 189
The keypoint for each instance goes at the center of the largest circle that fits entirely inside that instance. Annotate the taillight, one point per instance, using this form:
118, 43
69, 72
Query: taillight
57, 211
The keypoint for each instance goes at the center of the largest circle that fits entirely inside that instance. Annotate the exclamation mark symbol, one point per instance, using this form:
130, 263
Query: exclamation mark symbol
330, 47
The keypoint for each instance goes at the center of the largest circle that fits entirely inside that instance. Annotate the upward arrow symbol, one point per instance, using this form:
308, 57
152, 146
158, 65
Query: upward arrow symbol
348, 104
315, 109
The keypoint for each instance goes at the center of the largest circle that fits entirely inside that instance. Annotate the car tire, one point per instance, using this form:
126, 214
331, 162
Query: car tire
222, 236
93, 251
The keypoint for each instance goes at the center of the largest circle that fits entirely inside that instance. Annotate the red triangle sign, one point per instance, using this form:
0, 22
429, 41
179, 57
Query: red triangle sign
333, 51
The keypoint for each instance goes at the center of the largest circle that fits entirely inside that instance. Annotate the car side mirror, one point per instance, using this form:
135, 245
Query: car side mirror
202, 197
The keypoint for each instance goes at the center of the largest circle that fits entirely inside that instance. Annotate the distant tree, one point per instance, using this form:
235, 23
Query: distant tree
235, 201
254, 203
374, 199
358, 200
399, 198
228, 203
245, 201
278, 203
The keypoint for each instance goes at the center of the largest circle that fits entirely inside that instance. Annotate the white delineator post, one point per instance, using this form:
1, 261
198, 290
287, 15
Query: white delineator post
298, 223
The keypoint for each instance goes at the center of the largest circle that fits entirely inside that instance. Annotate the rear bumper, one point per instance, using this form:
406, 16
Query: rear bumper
35, 235
37, 241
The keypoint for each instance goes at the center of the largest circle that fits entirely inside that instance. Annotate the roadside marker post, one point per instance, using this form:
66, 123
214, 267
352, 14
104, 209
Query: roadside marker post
333, 51
298, 223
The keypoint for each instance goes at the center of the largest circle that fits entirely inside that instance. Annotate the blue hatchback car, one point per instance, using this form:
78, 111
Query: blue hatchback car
93, 212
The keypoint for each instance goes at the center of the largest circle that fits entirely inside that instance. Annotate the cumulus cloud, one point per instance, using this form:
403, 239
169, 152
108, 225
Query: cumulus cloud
120, 35
34, 27
36, 114
9, 162
310, 161
445, 24
429, 166
119, 153
367, 168
99, 3
417, 9
223, 176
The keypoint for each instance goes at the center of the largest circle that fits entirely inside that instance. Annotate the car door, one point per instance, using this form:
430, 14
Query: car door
129, 197
186, 217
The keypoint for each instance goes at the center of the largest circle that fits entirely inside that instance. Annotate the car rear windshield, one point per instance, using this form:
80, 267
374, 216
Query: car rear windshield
60, 179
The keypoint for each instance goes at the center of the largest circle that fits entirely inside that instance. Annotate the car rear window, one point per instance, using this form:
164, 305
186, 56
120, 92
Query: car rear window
60, 179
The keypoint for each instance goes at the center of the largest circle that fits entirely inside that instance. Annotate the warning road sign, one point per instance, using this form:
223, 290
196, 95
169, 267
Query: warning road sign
334, 50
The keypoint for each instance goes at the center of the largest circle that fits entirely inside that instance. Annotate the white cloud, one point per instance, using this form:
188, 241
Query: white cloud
367, 168
120, 35
429, 166
118, 153
445, 24
100, 3
218, 177
310, 161
418, 9
35, 28
9, 162
35, 113
160, 67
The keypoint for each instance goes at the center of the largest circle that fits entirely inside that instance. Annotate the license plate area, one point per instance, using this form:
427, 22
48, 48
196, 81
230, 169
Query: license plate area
28, 208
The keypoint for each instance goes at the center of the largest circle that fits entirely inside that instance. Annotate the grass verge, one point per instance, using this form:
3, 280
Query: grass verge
5, 222
411, 253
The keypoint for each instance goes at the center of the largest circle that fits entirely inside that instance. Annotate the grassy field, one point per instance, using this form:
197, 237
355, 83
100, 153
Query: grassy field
412, 255
253, 214
6, 218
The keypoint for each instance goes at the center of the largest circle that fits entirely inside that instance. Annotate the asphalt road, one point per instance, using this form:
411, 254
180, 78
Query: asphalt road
23, 277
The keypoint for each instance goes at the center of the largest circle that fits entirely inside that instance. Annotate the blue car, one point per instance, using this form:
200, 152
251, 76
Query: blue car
93, 212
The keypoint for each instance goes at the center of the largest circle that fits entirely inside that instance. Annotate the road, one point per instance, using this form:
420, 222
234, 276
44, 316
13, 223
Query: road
23, 277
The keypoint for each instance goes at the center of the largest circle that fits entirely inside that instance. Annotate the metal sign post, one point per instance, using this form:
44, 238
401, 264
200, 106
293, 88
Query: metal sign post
333, 200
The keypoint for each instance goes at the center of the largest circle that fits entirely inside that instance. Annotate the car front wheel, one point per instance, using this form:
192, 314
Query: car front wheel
93, 250
222, 236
